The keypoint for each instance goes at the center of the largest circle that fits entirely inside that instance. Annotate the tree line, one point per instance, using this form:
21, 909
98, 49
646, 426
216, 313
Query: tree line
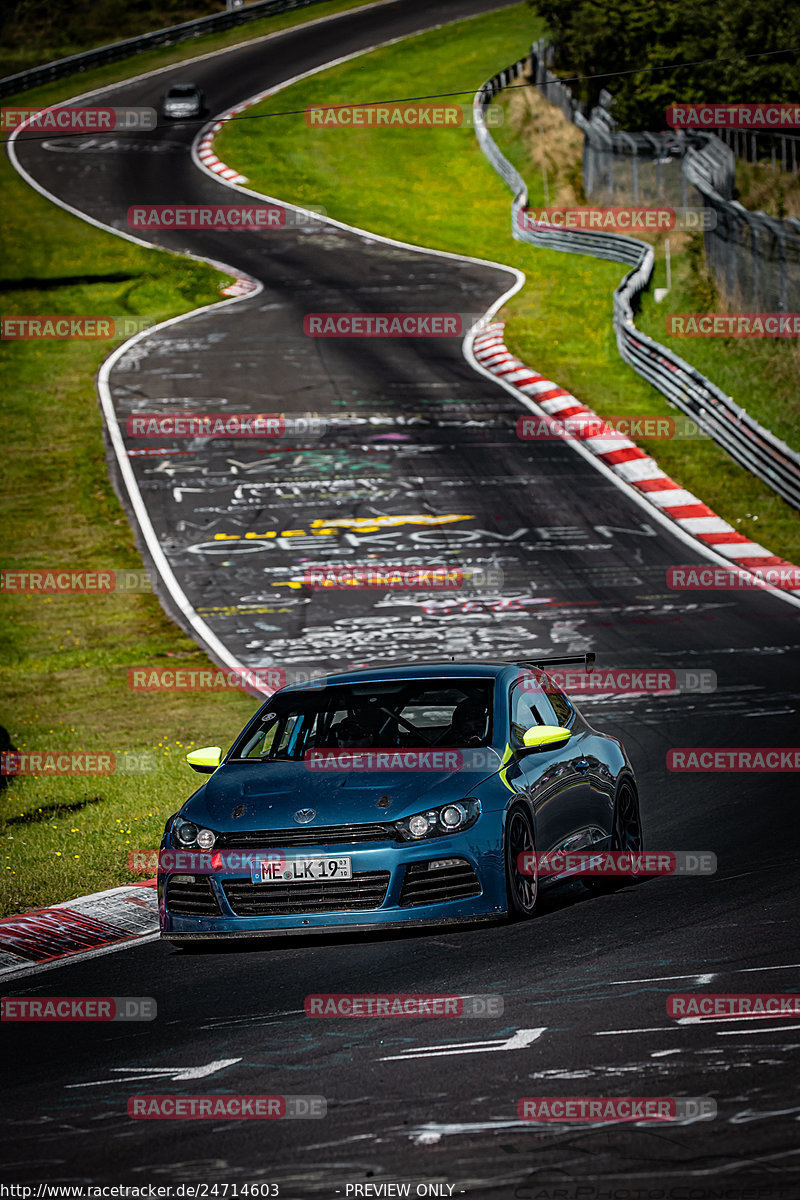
650, 54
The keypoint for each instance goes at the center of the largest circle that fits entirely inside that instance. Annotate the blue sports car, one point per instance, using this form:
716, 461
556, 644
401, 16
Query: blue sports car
392, 797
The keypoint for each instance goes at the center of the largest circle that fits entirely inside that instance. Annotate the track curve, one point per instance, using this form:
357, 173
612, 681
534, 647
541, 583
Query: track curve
583, 566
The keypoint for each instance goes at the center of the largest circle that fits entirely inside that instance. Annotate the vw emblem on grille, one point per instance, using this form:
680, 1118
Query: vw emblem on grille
304, 815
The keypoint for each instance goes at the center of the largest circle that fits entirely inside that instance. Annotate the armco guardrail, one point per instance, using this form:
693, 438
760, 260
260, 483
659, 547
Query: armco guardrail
749, 443
216, 23
754, 258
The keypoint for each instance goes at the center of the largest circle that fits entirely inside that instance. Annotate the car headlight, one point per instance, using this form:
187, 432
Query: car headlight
438, 822
186, 833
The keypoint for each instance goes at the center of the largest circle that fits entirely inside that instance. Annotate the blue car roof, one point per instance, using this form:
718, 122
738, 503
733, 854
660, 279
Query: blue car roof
433, 670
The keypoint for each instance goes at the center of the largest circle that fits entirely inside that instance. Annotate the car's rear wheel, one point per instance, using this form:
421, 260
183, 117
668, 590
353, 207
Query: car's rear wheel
627, 819
626, 834
522, 890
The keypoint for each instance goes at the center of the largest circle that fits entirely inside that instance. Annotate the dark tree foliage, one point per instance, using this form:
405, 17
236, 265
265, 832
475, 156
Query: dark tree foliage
639, 44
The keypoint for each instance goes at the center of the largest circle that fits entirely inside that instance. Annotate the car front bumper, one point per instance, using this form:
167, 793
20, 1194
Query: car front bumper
414, 893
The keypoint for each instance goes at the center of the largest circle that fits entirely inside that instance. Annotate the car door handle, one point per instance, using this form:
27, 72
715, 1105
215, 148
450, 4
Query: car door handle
582, 765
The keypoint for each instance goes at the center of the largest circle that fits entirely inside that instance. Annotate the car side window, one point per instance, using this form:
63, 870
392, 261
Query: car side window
528, 708
561, 705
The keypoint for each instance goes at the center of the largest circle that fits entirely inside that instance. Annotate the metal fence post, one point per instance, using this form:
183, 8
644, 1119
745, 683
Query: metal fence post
754, 244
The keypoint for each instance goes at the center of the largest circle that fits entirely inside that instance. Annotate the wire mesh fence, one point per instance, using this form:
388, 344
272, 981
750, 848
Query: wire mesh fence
781, 151
754, 258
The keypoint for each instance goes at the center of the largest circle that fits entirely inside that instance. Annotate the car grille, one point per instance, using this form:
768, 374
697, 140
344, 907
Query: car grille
423, 885
191, 899
327, 835
364, 891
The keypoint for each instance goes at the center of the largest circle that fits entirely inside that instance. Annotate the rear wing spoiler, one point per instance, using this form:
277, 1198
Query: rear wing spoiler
586, 660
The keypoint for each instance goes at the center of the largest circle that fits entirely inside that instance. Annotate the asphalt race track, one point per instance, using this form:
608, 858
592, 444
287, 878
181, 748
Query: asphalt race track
583, 566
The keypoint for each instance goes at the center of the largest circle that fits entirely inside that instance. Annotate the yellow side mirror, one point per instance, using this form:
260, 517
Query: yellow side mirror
545, 737
206, 760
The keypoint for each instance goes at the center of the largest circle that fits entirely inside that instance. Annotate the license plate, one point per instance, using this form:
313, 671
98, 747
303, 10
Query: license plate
301, 870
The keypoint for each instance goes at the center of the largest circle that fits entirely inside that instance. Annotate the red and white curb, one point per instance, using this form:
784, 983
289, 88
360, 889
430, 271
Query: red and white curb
625, 459
241, 286
81, 928
205, 152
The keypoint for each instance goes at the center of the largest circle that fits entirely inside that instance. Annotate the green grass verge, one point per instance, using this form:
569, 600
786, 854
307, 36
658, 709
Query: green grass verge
63, 678
63, 682
436, 189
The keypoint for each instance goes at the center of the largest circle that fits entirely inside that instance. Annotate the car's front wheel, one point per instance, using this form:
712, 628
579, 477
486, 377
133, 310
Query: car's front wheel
522, 889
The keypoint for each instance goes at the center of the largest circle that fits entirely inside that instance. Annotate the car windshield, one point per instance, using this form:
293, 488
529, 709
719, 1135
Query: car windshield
182, 91
410, 713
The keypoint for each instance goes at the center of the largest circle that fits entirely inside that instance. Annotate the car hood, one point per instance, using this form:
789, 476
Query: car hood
267, 795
